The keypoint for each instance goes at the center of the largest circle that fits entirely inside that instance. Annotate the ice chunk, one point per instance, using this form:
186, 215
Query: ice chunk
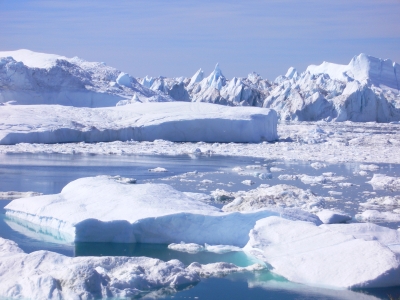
248, 182
49, 275
158, 170
189, 247
383, 182
375, 216
280, 195
332, 217
305, 253
318, 165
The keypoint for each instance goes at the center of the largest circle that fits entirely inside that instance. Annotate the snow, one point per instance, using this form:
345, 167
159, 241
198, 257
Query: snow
45, 275
103, 209
368, 232
175, 121
332, 217
308, 254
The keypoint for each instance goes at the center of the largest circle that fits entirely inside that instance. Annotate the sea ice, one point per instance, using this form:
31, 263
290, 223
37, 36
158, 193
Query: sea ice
49, 275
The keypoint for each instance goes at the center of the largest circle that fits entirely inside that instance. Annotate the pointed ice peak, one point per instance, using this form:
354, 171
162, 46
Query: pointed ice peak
254, 77
197, 77
291, 73
216, 79
147, 81
135, 98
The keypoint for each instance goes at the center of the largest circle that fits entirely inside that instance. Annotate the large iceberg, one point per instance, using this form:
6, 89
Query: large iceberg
104, 209
173, 121
323, 256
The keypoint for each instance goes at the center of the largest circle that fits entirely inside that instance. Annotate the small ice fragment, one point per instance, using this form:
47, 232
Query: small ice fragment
248, 182
158, 169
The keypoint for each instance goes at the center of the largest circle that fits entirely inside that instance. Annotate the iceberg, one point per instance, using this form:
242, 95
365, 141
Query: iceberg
173, 121
314, 255
106, 209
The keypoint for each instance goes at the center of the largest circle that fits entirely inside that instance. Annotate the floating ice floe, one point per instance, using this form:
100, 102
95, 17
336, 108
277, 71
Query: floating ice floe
305, 253
172, 121
371, 167
332, 217
317, 165
280, 195
195, 248
49, 275
248, 182
375, 216
102, 209
384, 182
158, 170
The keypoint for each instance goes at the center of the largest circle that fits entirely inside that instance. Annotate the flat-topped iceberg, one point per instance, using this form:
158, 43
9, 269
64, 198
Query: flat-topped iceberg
103, 209
315, 255
173, 121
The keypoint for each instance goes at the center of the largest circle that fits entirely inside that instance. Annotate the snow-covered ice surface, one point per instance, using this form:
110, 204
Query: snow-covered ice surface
174, 121
305, 253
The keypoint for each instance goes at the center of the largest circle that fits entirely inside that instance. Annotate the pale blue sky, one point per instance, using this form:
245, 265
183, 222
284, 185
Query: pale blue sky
177, 37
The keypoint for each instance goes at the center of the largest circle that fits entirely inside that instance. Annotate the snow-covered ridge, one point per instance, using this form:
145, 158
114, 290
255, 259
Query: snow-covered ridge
28, 77
173, 121
365, 90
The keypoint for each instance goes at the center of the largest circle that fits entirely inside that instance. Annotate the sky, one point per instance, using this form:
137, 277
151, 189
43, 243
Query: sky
177, 37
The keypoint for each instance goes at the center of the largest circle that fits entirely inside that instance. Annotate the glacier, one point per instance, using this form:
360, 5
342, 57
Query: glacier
173, 121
